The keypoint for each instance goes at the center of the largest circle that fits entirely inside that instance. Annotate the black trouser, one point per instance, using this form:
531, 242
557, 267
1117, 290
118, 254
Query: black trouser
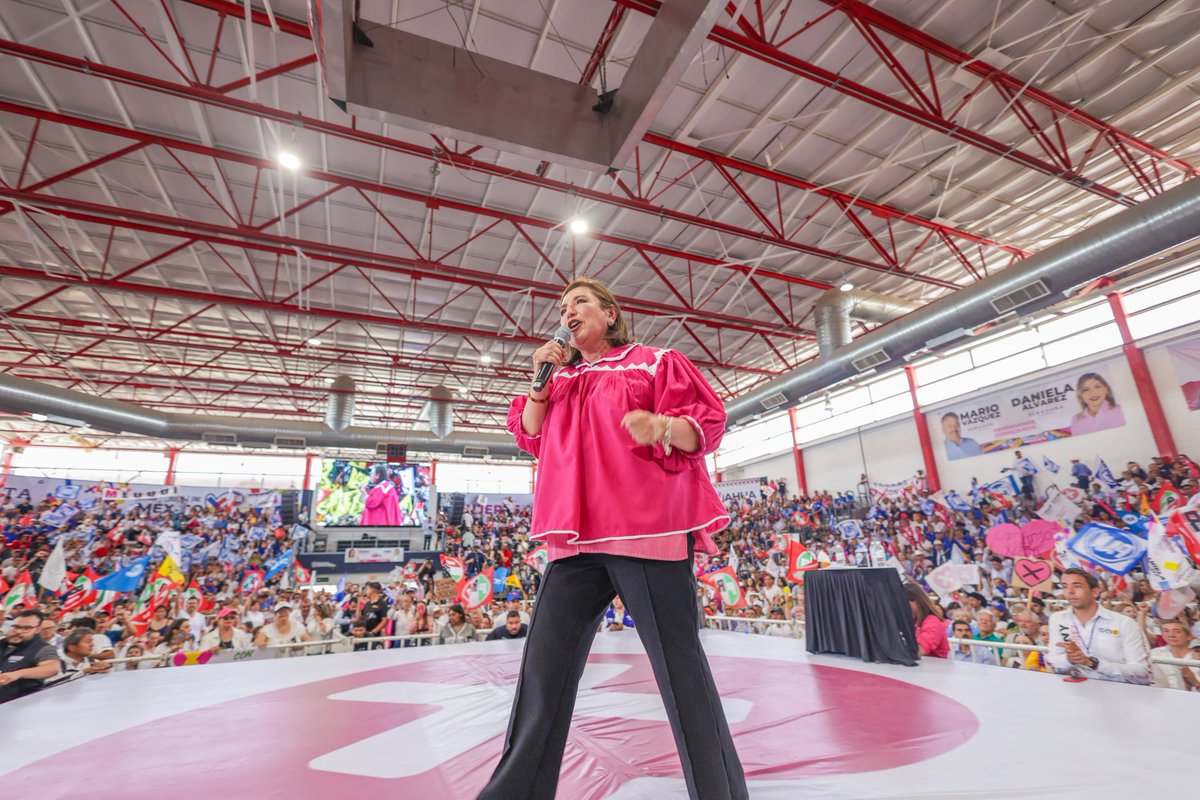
660, 596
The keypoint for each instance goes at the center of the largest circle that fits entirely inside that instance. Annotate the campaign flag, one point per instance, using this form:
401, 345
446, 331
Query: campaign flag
256, 533
539, 559
1167, 565
340, 590
1114, 549
300, 532
1027, 464
802, 519
454, 567
1138, 523
1184, 524
22, 592
800, 560
1167, 499
251, 582
1004, 486
193, 592
278, 564
476, 591
957, 503
54, 573
170, 570
81, 592
726, 583
301, 573
850, 528
125, 580
874, 513
927, 506
1104, 475
61, 515
172, 543
1050, 465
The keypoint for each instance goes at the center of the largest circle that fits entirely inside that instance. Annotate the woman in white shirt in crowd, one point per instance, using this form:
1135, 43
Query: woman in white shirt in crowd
282, 631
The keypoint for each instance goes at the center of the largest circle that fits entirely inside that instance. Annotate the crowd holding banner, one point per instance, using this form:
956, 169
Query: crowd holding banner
156, 583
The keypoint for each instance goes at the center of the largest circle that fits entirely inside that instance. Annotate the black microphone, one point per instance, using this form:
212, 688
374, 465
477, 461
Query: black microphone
562, 336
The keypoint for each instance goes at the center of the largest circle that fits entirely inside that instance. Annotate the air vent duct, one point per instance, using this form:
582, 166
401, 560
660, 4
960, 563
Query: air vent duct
440, 412
1020, 296
871, 361
289, 443
339, 413
774, 401
210, 437
476, 452
1132, 235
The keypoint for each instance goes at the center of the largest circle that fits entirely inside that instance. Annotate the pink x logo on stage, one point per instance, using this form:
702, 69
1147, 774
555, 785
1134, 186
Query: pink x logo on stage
435, 728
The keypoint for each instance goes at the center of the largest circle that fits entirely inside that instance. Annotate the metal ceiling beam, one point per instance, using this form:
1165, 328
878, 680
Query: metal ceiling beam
632, 202
641, 201
752, 42
291, 308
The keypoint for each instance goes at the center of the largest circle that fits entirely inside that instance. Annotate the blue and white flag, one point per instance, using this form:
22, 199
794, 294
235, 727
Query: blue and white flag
850, 528
1114, 549
1028, 465
1050, 465
257, 533
1004, 486
1104, 475
190, 540
873, 512
956, 503
67, 491
127, 579
279, 564
927, 506
300, 532
1138, 523
60, 516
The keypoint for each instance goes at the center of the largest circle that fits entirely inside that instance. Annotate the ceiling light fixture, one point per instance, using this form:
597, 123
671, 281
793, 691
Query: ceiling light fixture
288, 160
846, 286
485, 359
314, 342
579, 225
38, 417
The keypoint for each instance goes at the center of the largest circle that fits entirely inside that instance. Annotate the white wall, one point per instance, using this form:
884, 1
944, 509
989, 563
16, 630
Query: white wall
781, 465
1184, 424
892, 453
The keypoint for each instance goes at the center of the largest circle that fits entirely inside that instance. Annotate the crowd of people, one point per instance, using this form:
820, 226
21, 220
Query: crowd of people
78, 632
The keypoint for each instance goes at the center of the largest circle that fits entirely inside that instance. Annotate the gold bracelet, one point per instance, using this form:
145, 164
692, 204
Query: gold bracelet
534, 399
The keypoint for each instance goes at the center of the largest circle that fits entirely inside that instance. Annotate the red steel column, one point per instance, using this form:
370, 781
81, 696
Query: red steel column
932, 480
801, 478
433, 472
172, 455
308, 459
532, 477
1159, 429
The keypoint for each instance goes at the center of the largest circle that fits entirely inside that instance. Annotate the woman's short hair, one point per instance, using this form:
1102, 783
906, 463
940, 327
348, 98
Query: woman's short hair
618, 332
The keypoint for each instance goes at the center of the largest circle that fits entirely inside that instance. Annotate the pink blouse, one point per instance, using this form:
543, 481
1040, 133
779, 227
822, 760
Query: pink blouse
598, 491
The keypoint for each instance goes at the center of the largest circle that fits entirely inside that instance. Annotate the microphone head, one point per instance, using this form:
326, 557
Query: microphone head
562, 335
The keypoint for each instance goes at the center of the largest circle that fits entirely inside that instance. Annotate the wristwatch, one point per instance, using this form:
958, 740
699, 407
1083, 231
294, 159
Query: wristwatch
1095, 663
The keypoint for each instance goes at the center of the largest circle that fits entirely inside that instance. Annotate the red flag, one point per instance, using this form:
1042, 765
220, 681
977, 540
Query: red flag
81, 593
475, 591
726, 583
1168, 498
1185, 525
800, 560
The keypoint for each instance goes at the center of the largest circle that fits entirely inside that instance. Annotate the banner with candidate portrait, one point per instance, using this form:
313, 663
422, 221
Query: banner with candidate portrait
1057, 406
1186, 358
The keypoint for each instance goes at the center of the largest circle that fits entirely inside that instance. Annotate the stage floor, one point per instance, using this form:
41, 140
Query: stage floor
429, 723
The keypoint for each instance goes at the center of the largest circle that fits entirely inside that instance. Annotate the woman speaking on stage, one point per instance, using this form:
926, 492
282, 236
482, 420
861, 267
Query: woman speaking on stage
623, 500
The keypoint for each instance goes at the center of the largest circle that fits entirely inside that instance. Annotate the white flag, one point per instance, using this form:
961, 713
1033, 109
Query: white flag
55, 571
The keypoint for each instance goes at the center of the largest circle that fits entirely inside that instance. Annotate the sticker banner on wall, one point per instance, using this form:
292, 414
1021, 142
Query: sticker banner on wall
746, 489
1055, 407
1186, 358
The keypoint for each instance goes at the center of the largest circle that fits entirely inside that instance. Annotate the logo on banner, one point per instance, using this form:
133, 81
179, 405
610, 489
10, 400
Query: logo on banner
353, 734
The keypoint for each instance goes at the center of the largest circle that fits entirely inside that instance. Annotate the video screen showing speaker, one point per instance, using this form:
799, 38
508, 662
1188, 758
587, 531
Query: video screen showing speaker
372, 493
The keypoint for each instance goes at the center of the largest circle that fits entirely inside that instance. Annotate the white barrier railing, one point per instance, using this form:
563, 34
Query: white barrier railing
313, 648
795, 628
1041, 648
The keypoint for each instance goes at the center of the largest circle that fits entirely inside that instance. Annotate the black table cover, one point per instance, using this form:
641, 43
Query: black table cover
861, 612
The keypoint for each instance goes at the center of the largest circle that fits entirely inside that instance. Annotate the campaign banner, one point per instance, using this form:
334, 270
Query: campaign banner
897, 490
1055, 407
745, 489
485, 506
1186, 358
151, 498
374, 555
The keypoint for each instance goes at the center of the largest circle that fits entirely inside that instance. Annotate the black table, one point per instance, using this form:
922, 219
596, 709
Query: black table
861, 612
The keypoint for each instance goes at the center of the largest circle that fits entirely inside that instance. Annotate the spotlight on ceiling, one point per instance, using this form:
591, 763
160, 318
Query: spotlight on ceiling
288, 160
314, 342
846, 287
485, 359
38, 417
328, 380
579, 225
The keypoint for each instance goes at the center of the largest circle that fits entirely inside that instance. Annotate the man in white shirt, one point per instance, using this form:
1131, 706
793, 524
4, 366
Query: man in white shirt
1087, 639
1170, 676
191, 612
